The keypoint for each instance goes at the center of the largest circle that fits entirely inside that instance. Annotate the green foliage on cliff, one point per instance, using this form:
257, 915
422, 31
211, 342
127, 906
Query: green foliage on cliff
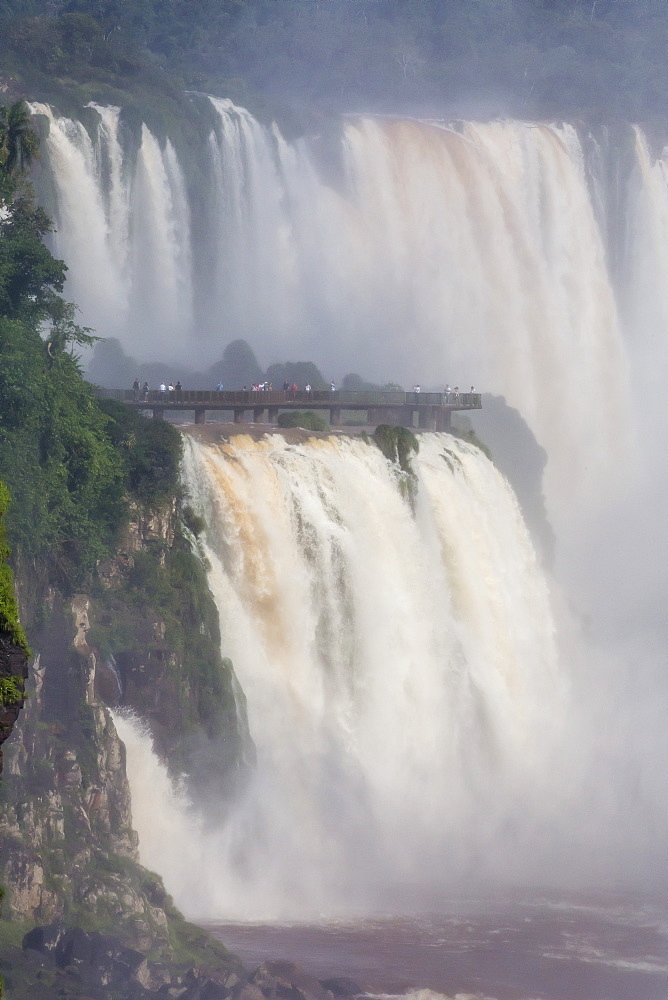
398, 444
11, 691
64, 473
163, 612
150, 451
307, 419
71, 464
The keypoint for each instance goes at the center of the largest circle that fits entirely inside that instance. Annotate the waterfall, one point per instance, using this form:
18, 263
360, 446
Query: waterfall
407, 249
123, 228
406, 689
400, 670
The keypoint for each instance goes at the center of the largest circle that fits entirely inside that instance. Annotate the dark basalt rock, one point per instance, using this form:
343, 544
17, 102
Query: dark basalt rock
341, 986
98, 966
98, 959
279, 980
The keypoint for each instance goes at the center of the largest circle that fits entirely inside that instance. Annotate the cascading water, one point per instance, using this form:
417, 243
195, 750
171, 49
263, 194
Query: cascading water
400, 671
125, 233
407, 249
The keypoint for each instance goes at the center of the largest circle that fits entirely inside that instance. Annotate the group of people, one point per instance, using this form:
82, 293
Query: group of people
447, 390
144, 390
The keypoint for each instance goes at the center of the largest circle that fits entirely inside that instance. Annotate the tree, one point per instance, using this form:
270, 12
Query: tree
30, 276
238, 367
19, 145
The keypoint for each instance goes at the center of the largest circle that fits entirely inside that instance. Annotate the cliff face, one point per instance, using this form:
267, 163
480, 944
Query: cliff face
13, 673
154, 627
67, 846
145, 637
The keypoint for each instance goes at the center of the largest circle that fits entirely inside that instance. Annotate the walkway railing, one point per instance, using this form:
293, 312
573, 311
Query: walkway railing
182, 398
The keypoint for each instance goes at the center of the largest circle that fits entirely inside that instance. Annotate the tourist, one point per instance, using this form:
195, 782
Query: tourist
307, 387
333, 387
178, 386
447, 390
472, 389
135, 389
163, 387
145, 390
219, 387
171, 387
416, 388
286, 386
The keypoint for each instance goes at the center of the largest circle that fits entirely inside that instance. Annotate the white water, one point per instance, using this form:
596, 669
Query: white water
424, 254
405, 729
400, 672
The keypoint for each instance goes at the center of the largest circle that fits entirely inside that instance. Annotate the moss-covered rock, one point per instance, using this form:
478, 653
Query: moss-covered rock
398, 445
307, 419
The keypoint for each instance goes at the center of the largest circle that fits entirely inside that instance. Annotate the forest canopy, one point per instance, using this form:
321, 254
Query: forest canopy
589, 58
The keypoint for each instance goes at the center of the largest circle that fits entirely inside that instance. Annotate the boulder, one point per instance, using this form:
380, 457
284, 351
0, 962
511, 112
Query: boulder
280, 980
341, 986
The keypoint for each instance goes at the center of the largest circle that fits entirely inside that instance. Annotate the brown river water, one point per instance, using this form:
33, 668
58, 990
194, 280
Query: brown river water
540, 949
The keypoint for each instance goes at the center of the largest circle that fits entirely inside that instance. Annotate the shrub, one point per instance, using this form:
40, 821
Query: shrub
306, 419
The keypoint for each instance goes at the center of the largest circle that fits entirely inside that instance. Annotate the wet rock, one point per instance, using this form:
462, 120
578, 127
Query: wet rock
44, 940
97, 959
341, 986
279, 980
248, 991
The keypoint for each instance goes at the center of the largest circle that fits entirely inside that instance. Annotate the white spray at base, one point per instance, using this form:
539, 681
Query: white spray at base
400, 671
169, 830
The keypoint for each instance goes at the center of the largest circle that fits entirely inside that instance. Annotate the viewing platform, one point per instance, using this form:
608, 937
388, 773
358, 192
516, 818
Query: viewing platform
426, 410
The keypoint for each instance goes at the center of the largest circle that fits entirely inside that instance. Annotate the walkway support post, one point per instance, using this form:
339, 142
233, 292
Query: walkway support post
200, 416
428, 417
272, 414
239, 416
335, 416
158, 413
444, 421
258, 414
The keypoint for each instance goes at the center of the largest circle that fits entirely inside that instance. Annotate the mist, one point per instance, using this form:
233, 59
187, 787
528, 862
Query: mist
484, 253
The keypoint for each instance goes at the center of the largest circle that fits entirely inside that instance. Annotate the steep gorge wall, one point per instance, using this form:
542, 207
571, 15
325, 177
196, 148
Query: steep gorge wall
68, 851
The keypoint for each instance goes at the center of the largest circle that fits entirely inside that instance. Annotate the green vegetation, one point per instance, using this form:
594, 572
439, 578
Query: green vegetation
398, 444
527, 58
71, 463
168, 582
11, 689
465, 432
150, 451
306, 419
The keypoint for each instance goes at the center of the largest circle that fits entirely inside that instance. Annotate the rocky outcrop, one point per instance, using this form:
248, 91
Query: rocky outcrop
57, 962
99, 967
145, 636
153, 626
66, 840
13, 674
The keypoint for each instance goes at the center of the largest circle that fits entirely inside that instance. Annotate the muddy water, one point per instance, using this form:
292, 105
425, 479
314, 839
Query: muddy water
533, 950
